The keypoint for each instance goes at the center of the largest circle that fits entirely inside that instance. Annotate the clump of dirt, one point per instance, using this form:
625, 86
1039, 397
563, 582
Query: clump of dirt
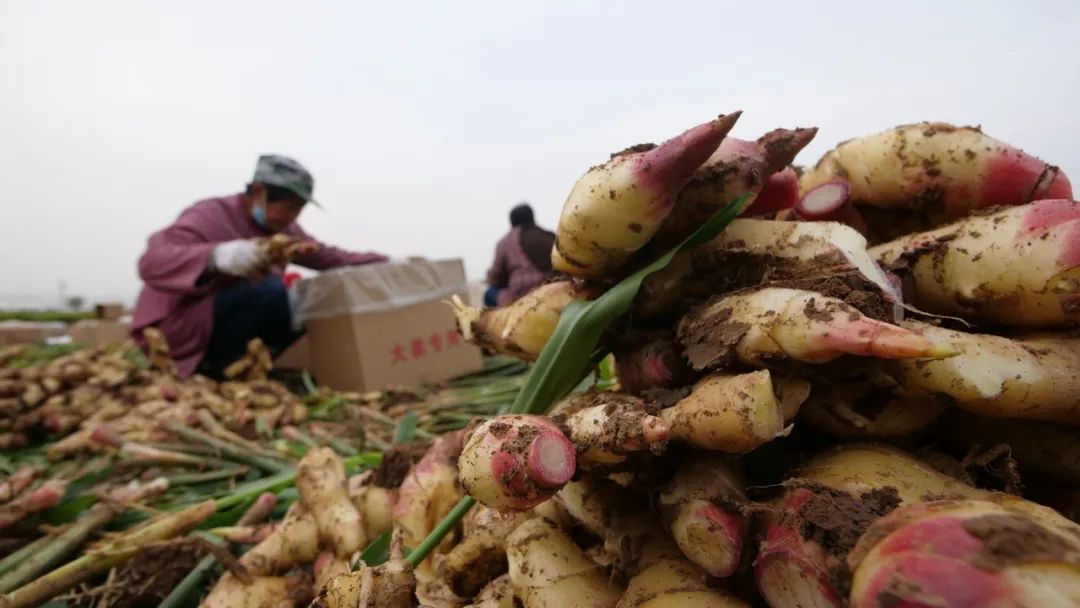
396, 463
145, 581
1014, 539
836, 520
850, 287
710, 337
992, 469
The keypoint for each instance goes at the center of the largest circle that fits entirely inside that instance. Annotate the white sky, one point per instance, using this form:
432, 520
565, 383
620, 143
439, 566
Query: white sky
424, 122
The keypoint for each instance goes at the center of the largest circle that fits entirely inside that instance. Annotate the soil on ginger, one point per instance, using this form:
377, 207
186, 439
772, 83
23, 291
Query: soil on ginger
1013, 539
396, 463
836, 520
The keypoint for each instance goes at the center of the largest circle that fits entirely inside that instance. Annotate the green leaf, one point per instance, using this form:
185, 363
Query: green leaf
309, 385
377, 552
568, 355
406, 429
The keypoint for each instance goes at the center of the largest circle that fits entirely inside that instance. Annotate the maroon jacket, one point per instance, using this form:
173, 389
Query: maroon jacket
513, 272
173, 299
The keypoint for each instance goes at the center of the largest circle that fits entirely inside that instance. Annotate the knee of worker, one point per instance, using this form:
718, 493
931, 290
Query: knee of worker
270, 298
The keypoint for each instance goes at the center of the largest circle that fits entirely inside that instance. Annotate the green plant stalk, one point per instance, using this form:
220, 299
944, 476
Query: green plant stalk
194, 478
570, 353
388, 421
12, 561
101, 560
235, 452
62, 545
448, 523
216, 429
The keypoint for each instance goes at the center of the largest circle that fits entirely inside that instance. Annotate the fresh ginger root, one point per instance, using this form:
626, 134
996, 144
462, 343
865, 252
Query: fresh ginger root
547, 569
1017, 267
389, 585
633, 539
259, 592
295, 541
515, 462
157, 346
375, 504
732, 414
605, 427
675, 583
701, 508
968, 553
520, 329
616, 208
861, 410
957, 169
1032, 377
320, 479
428, 493
499, 593
480, 557
828, 502
737, 167
759, 327
254, 365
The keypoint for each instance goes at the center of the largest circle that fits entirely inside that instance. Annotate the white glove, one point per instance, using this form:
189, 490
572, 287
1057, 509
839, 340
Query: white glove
239, 258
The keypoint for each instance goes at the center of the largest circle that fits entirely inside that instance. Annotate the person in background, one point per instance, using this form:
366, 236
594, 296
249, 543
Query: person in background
196, 272
522, 259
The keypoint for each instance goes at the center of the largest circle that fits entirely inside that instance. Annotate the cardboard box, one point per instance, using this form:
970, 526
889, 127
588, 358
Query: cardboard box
380, 325
99, 332
296, 357
29, 332
111, 311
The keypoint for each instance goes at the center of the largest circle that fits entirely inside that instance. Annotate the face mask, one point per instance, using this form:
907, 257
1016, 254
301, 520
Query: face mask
259, 215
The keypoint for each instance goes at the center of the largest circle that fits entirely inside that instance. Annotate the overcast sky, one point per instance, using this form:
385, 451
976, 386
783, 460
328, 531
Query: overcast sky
424, 122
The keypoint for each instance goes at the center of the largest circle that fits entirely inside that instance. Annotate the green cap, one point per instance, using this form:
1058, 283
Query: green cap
284, 172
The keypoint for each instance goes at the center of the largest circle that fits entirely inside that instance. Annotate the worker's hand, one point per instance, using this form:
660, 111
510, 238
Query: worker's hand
239, 258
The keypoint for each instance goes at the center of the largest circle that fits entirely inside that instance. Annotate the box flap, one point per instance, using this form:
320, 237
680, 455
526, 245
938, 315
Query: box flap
378, 287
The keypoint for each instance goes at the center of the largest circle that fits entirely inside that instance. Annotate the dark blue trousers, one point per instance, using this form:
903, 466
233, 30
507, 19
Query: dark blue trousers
244, 311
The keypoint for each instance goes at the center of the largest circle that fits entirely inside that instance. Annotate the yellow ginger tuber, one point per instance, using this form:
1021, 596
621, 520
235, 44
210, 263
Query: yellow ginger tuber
925, 174
520, 329
772, 323
1017, 267
499, 593
675, 583
861, 410
701, 508
733, 414
375, 504
1036, 377
295, 541
480, 557
515, 462
737, 167
548, 569
605, 427
615, 208
968, 553
320, 479
389, 585
829, 501
259, 592
428, 493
